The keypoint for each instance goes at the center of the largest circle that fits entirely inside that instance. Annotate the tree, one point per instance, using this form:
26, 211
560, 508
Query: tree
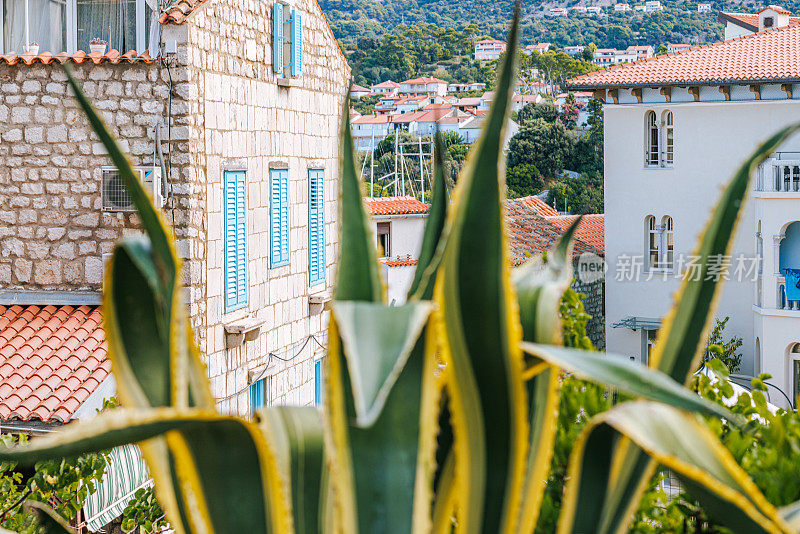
582, 194
524, 180
542, 110
725, 351
661, 50
544, 145
588, 52
569, 113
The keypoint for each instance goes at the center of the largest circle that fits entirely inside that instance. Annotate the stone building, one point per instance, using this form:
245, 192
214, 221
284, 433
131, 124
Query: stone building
233, 114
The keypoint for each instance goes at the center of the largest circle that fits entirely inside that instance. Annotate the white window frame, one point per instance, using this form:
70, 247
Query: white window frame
667, 138
661, 153
663, 237
71, 20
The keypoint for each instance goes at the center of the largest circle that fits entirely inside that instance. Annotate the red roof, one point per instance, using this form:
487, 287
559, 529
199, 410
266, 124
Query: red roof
424, 79
776, 9
179, 11
358, 89
51, 359
590, 231
768, 56
394, 205
387, 83
112, 56
398, 262
536, 204
372, 119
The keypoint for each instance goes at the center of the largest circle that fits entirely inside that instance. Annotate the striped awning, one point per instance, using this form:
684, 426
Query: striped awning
125, 473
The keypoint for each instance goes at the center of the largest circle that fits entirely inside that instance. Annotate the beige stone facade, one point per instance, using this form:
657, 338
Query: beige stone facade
228, 112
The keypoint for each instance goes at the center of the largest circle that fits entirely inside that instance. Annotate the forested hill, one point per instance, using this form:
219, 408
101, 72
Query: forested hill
680, 22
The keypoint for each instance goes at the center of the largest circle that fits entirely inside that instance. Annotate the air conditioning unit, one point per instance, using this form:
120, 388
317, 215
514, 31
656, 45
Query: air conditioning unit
115, 195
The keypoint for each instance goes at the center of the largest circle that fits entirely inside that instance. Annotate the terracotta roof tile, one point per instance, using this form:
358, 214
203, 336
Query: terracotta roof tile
590, 231
394, 205
768, 56
112, 56
398, 262
51, 359
179, 11
530, 233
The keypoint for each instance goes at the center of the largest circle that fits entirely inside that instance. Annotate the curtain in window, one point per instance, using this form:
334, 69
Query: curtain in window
113, 21
46, 25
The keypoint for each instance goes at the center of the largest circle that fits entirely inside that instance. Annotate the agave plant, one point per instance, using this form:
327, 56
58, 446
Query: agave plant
439, 414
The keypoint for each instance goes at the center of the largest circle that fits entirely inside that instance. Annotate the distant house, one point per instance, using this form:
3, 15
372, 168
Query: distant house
578, 9
520, 101
539, 48
387, 104
642, 52
470, 129
622, 8
388, 87
465, 87
357, 92
412, 103
574, 49
468, 104
640, 8
557, 12
677, 47
741, 24
489, 49
424, 85
703, 8
368, 130
594, 10
653, 5
604, 57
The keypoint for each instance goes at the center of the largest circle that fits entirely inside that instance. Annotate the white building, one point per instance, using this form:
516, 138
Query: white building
741, 24
704, 8
557, 12
424, 85
642, 51
465, 87
640, 8
594, 10
357, 92
574, 49
676, 129
677, 47
539, 48
398, 224
622, 8
604, 57
652, 6
387, 87
369, 130
489, 49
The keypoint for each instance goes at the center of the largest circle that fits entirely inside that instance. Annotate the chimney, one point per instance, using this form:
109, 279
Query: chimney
772, 17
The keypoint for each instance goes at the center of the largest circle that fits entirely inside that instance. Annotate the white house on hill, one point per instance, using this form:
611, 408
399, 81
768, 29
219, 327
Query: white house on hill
676, 129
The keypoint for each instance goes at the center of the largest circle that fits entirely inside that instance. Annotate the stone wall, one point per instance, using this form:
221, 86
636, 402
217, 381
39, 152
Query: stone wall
594, 304
245, 120
52, 229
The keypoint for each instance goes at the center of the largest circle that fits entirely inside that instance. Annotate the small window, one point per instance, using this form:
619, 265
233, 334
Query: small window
384, 239
279, 217
668, 139
316, 226
235, 240
259, 394
667, 250
287, 28
651, 139
652, 238
768, 22
319, 377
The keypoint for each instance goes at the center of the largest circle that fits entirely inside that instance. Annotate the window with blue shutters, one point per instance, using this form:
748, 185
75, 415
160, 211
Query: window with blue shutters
296, 24
235, 198
279, 217
277, 31
316, 226
287, 48
318, 381
258, 394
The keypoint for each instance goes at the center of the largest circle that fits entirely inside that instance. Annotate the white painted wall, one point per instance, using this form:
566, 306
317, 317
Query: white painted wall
711, 140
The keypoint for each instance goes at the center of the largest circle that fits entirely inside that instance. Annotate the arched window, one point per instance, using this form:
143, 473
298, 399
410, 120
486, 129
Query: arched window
667, 149
652, 241
651, 141
667, 244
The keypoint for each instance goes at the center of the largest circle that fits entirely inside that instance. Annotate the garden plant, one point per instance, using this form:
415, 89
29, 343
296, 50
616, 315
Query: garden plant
439, 415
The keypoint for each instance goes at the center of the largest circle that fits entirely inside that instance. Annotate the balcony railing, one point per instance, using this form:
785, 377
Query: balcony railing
779, 175
783, 302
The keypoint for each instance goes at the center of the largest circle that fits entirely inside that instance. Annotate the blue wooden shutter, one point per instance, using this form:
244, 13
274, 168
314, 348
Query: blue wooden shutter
297, 43
235, 208
316, 226
277, 30
279, 217
257, 396
318, 382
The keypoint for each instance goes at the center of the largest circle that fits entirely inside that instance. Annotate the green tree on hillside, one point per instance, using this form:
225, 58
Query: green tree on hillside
544, 145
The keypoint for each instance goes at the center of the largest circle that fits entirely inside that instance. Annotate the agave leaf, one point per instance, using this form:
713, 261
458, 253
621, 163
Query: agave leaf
676, 352
629, 377
377, 341
683, 444
433, 238
480, 332
295, 435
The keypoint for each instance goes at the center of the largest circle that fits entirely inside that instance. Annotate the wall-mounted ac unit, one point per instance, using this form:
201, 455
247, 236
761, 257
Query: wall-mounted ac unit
115, 196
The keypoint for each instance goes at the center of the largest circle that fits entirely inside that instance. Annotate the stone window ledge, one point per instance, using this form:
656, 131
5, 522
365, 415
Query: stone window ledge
241, 330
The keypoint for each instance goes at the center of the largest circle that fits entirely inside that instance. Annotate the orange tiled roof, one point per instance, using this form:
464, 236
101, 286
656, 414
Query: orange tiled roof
536, 204
591, 230
51, 359
424, 79
768, 56
179, 11
112, 56
749, 21
398, 262
394, 205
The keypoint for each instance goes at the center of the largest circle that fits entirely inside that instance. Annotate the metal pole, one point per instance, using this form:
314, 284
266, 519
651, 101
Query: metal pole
27, 31
372, 161
421, 170
396, 144
402, 174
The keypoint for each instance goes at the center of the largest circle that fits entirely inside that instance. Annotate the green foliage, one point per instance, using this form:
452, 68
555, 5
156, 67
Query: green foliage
144, 511
574, 319
66, 483
725, 351
524, 180
365, 105
546, 111
582, 194
546, 146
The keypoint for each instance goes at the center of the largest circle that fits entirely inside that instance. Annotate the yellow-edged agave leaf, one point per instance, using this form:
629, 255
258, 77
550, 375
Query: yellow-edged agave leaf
681, 442
628, 377
295, 436
540, 286
434, 236
676, 353
480, 333
377, 341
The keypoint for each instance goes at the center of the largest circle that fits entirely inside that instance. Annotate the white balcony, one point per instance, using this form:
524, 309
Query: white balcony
783, 303
779, 174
